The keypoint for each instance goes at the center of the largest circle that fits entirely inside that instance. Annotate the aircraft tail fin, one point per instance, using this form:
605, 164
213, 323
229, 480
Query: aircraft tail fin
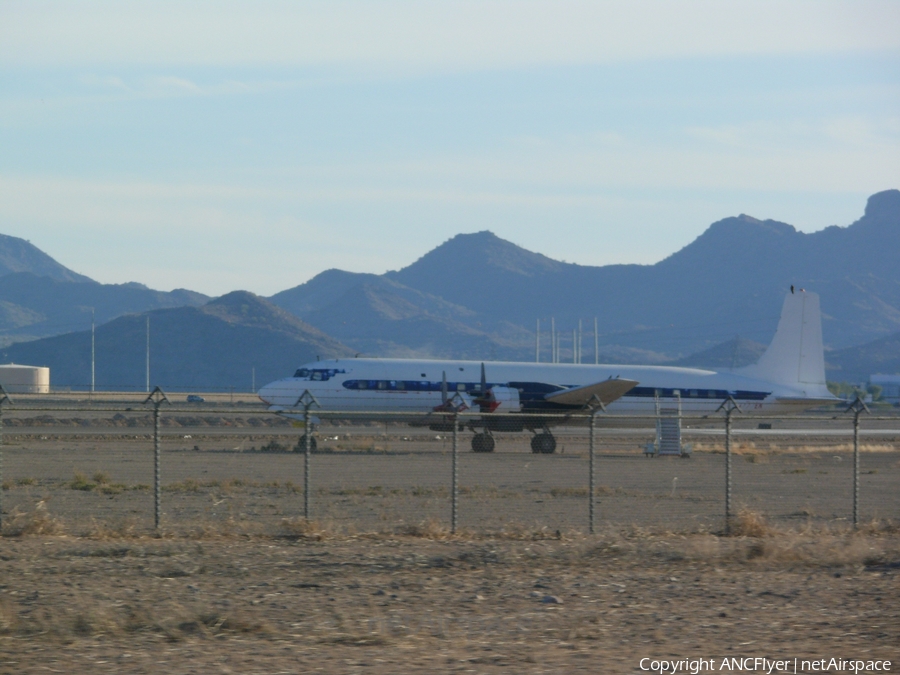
796, 355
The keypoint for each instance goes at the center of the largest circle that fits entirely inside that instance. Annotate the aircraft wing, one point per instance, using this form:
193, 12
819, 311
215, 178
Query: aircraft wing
607, 391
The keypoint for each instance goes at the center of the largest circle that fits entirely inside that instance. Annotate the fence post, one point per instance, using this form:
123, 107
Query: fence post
591, 476
4, 398
595, 405
729, 405
307, 400
858, 406
156, 397
454, 489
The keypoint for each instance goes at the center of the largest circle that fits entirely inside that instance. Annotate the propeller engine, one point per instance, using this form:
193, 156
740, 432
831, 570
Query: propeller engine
497, 398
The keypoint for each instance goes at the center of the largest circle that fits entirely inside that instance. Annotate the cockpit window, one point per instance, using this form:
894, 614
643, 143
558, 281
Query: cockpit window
317, 374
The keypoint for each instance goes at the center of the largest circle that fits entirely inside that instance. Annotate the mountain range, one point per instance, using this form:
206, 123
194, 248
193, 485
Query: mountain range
229, 342
715, 302
479, 296
39, 297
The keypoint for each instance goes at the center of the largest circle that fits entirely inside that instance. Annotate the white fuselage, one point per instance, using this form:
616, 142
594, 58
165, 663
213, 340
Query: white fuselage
416, 386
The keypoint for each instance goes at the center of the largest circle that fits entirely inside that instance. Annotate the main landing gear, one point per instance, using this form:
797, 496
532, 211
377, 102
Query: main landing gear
543, 443
482, 442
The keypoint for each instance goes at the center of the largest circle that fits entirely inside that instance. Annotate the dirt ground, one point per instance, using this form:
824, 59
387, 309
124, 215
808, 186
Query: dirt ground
307, 600
362, 481
236, 581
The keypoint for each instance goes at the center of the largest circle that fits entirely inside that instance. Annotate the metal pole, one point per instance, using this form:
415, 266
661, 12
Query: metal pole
1, 466
591, 488
596, 343
552, 340
92, 351
579, 340
537, 343
856, 468
306, 449
148, 352
574, 345
729, 405
156, 398
728, 471
858, 407
156, 466
454, 492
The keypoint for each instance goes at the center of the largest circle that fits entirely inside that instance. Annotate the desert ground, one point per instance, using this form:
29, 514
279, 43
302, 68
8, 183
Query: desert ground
236, 580
420, 600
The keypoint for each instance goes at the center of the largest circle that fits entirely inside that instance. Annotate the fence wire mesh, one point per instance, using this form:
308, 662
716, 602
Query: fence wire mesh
236, 466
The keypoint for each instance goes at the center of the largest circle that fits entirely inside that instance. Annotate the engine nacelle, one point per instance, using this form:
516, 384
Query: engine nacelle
502, 400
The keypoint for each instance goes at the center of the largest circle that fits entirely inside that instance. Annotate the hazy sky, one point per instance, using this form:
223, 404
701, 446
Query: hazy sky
251, 145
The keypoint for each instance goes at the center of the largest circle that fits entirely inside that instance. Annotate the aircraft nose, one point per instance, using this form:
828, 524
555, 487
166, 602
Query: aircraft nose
267, 394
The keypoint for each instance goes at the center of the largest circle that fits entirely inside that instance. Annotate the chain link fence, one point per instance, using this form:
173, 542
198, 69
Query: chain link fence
80, 468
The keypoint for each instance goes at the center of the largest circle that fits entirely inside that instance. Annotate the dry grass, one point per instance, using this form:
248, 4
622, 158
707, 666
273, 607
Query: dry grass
88, 619
303, 528
749, 523
754, 449
38, 522
841, 447
429, 529
422, 599
101, 483
126, 528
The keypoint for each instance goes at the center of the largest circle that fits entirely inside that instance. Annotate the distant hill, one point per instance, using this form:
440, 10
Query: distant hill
18, 255
856, 364
730, 281
36, 306
478, 296
380, 316
729, 355
205, 348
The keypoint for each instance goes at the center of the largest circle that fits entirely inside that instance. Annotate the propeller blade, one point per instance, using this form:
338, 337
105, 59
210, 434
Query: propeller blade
444, 388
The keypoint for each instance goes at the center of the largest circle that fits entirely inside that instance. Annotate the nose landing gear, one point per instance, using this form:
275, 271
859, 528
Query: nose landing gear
543, 443
482, 442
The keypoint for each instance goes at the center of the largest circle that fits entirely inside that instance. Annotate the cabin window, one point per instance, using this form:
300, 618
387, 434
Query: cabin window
362, 384
316, 376
382, 384
400, 386
693, 393
302, 372
461, 386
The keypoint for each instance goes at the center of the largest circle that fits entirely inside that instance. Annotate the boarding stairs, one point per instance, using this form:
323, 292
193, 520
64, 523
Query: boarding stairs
668, 429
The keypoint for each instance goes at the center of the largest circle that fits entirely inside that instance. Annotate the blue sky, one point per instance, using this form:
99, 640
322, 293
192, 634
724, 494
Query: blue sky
252, 145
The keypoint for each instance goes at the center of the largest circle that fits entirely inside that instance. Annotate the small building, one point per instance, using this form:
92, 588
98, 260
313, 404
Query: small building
19, 379
890, 387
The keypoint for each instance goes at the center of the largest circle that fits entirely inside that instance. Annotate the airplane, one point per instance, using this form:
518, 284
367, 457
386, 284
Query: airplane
789, 376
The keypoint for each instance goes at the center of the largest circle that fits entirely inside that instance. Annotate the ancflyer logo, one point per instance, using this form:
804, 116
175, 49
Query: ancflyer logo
763, 664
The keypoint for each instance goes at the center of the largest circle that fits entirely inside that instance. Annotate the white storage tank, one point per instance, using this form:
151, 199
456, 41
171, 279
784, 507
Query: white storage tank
18, 379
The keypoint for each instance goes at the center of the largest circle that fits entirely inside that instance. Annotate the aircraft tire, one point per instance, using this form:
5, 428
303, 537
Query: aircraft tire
543, 444
482, 443
301, 444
